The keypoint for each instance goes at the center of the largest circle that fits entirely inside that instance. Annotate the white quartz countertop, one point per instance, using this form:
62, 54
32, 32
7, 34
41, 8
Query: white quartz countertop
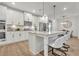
2, 30
45, 33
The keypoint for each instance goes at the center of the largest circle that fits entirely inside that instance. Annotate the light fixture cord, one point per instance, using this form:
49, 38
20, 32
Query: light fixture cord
54, 10
43, 7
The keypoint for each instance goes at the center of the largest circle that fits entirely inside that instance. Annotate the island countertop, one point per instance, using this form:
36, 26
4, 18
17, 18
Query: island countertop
44, 33
38, 41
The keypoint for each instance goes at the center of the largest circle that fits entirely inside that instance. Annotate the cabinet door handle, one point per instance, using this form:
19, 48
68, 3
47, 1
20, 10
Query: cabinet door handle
12, 22
18, 23
19, 34
13, 36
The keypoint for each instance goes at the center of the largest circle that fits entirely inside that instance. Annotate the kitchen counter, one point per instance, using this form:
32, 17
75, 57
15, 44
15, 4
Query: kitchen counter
18, 31
2, 30
45, 33
38, 41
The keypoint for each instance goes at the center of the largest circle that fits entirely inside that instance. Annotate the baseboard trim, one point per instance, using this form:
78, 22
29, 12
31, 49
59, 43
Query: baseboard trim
35, 53
75, 37
8, 43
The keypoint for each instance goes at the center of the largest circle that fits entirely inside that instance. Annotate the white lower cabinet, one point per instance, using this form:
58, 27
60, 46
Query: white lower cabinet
26, 35
9, 36
21, 35
16, 36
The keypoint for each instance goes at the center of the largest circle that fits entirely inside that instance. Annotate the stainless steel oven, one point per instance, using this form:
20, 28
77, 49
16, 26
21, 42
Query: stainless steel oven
42, 26
2, 36
2, 30
2, 25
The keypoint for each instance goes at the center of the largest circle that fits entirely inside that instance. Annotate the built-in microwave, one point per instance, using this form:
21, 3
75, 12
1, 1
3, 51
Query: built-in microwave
2, 30
2, 35
2, 25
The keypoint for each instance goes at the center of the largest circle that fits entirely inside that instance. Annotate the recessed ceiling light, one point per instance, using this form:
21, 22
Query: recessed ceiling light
34, 11
28, 14
65, 8
54, 21
13, 3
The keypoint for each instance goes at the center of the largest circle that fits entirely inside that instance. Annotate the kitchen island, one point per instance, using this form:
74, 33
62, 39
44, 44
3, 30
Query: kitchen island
38, 41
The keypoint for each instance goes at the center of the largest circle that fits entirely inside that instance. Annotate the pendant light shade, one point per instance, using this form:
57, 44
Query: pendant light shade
54, 13
54, 28
54, 10
44, 18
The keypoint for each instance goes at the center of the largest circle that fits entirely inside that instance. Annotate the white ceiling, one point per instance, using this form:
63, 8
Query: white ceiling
72, 8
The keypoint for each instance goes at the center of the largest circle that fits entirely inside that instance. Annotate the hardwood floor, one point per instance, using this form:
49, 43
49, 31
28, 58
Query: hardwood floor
74, 47
22, 49
16, 49
73, 50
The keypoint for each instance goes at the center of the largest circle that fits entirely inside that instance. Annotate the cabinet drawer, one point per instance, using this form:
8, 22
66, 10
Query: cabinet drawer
10, 36
21, 35
26, 36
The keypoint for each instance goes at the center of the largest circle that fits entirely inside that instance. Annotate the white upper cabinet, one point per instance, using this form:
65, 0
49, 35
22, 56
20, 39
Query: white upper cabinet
25, 17
3, 12
28, 17
20, 18
15, 17
10, 16
35, 22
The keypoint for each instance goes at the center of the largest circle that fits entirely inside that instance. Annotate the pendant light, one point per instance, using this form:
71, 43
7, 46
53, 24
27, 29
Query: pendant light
54, 20
43, 8
13, 3
54, 12
49, 23
44, 18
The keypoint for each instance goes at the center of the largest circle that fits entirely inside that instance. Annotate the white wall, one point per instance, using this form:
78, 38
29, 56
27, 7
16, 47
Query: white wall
75, 25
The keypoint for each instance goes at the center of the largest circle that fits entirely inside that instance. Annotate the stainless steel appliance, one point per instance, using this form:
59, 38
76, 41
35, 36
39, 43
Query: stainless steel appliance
45, 26
42, 26
2, 30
